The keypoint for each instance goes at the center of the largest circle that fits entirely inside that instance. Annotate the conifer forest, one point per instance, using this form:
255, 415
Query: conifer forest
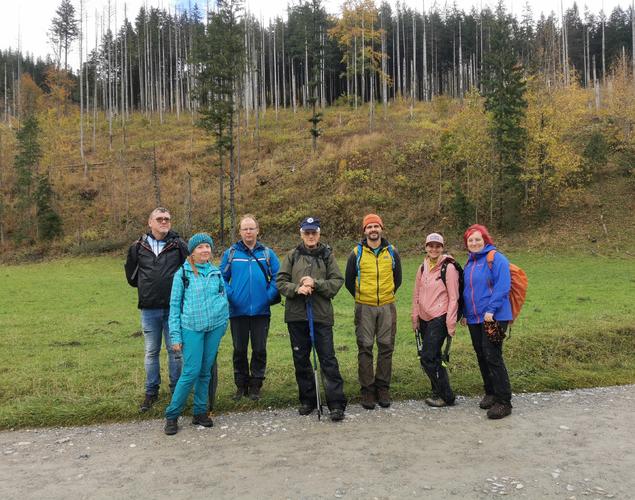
429, 114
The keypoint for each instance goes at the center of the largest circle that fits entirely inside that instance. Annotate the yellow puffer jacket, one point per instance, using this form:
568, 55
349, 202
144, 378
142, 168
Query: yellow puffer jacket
378, 278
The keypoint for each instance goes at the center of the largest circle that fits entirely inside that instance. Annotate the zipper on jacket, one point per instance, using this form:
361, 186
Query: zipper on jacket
472, 287
377, 266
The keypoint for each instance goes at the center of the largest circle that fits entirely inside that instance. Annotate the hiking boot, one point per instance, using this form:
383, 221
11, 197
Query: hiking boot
240, 392
487, 402
171, 426
148, 401
337, 414
436, 402
202, 419
499, 410
306, 409
254, 392
368, 400
383, 398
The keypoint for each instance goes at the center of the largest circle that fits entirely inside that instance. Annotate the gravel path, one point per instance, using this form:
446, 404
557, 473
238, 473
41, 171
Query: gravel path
571, 445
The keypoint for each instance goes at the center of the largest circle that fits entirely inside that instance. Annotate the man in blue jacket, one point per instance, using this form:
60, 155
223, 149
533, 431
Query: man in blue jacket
249, 269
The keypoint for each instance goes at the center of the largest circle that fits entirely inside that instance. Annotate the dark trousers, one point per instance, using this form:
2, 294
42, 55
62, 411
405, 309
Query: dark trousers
433, 334
243, 329
301, 348
491, 364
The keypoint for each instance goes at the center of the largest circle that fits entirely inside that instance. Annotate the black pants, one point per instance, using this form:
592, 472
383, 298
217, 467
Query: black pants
434, 333
244, 328
491, 364
301, 348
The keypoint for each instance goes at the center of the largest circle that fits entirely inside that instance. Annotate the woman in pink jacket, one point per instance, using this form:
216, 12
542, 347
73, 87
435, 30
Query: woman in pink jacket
434, 313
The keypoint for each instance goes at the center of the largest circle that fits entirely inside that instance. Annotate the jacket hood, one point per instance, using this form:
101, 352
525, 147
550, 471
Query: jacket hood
170, 236
318, 250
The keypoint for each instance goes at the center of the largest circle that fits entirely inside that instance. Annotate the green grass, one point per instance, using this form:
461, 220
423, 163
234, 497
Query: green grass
71, 350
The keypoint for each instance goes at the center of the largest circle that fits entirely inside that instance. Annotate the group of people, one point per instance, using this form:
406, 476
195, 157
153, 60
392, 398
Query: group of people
186, 301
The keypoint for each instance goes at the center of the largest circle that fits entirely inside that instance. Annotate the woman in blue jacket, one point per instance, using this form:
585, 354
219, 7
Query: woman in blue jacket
487, 314
197, 322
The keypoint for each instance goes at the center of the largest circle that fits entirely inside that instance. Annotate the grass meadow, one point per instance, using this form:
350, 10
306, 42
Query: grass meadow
71, 350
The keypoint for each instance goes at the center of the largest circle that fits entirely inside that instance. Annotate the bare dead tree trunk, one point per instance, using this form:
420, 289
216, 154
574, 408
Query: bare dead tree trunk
603, 49
460, 63
109, 82
155, 177
284, 76
633, 40
363, 74
81, 88
425, 54
415, 87
188, 203
384, 64
399, 88
276, 92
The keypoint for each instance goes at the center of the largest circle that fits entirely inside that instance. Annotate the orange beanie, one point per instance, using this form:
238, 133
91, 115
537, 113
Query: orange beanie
370, 219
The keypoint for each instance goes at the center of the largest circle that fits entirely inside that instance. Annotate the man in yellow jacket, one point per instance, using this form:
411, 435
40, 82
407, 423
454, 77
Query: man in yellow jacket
373, 275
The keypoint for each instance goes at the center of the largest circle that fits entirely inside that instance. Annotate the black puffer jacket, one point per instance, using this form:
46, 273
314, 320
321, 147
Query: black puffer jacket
152, 274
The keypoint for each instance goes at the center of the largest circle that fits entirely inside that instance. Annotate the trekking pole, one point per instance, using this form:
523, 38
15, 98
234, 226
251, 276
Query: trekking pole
309, 317
419, 342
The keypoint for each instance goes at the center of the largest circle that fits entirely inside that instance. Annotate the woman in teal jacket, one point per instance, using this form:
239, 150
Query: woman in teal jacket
198, 319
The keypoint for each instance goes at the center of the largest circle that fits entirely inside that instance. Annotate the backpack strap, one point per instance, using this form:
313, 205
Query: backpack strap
444, 271
183, 252
186, 283
230, 257
360, 251
268, 261
391, 251
490, 258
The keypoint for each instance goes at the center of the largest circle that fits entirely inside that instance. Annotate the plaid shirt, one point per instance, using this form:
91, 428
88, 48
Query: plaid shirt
200, 306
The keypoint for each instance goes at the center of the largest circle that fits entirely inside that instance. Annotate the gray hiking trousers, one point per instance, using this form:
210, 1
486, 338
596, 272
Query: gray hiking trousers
375, 323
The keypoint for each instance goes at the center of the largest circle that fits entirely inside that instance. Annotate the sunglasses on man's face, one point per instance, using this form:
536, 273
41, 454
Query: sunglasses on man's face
162, 220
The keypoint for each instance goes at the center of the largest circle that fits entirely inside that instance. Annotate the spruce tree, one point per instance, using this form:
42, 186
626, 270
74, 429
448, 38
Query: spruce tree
221, 59
49, 223
25, 163
64, 29
504, 89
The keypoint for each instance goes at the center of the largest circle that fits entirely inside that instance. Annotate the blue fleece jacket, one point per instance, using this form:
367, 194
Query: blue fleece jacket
202, 305
486, 290
246, 285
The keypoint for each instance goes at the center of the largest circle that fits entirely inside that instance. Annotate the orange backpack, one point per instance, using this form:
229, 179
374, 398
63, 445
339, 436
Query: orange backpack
518, 290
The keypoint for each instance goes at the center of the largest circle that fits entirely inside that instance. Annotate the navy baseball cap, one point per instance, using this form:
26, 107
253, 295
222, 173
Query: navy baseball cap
310, 224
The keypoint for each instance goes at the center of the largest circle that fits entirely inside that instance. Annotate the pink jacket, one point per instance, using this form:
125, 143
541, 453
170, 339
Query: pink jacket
431, 299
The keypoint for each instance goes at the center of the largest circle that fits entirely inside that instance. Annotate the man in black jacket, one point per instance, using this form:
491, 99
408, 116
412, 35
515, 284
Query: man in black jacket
150, 266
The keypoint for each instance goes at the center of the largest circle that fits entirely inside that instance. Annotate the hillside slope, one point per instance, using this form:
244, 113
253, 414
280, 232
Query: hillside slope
393, 165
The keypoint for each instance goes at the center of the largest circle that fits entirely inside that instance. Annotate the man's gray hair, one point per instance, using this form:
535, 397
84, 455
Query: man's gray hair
158, 210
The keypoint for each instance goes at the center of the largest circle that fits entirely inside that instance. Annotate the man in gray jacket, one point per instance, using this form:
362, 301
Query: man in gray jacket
309, 273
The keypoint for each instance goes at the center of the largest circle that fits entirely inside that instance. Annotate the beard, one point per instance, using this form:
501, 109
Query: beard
374, 235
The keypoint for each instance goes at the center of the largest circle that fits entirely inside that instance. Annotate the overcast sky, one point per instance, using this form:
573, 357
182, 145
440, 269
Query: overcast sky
29, 20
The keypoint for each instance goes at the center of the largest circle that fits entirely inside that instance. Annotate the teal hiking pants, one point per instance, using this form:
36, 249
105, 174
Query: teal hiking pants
199, 353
